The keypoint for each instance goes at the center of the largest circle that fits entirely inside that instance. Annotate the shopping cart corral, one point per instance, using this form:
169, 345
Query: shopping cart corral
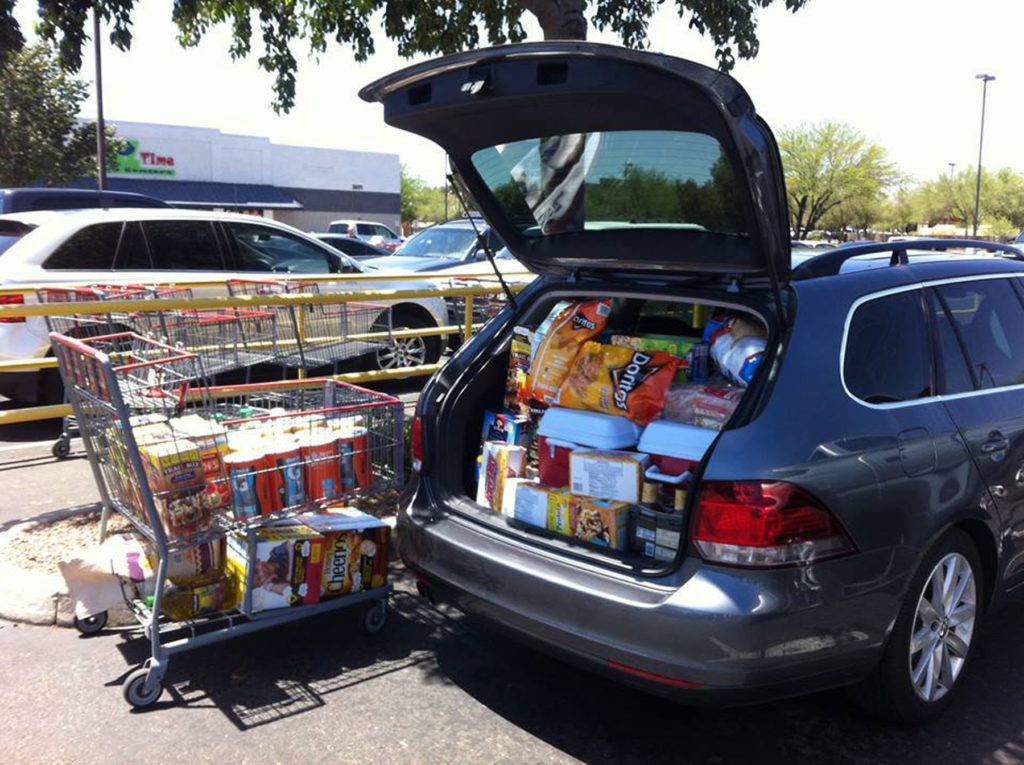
246, 480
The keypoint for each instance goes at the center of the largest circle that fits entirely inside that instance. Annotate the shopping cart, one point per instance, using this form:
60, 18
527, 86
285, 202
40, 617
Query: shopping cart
320, 335
192, 467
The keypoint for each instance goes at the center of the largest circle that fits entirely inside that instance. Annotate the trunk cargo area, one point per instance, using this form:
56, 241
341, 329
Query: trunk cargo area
584, 429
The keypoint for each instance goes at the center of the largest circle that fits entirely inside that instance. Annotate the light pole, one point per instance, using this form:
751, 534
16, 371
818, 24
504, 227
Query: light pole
952, 169
101, 128
985, 79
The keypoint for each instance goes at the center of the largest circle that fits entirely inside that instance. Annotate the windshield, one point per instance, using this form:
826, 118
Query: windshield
439, 242
621, 179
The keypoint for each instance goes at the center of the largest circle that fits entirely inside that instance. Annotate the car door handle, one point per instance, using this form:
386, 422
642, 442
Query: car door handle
995, 445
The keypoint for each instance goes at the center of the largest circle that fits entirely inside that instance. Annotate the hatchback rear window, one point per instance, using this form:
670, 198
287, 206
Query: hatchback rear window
620, 179
888, 350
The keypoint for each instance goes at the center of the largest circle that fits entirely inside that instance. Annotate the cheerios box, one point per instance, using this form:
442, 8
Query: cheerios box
355, 550
285, 562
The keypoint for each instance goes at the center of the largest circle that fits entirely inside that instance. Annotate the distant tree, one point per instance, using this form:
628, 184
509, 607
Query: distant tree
950, 198
417, 27
41, 140
828, 165
1004, 197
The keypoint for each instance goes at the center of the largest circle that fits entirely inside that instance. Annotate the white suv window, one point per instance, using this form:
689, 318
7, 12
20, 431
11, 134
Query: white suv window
183, 245
262, 248
91, 248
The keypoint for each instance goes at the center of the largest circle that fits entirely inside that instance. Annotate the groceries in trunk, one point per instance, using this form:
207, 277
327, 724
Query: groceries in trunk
602, 426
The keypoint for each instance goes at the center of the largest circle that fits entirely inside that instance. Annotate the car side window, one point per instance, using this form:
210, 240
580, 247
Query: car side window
888, 350
989, 319
132, 253
364, 229
183, 245
954, 375
92, 247
383, 231
262, 248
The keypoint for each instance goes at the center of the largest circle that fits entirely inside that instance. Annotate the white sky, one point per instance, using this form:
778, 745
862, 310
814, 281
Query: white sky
901, 71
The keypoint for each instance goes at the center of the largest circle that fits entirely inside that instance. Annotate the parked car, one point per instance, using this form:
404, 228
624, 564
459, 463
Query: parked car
441, 247
140, 246
29, 199
370, 231
856, 514
354, 248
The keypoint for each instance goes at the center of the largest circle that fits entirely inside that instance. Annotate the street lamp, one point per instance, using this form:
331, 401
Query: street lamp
985, 79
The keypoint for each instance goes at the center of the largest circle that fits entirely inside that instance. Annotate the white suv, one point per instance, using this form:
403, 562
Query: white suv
139, 245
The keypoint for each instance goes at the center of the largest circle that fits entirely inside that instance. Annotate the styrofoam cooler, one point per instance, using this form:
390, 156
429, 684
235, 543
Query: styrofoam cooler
563, 430
675, 448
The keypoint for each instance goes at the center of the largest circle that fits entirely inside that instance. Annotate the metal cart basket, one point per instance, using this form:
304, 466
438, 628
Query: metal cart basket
191, 467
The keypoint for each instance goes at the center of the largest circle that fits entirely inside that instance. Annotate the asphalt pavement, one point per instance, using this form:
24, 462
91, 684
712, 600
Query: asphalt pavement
434, 686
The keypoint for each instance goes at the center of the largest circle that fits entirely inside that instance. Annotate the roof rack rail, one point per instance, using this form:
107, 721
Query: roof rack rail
829, 263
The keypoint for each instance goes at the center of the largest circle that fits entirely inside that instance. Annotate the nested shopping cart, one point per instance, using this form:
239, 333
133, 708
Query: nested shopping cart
289, 448
320, 334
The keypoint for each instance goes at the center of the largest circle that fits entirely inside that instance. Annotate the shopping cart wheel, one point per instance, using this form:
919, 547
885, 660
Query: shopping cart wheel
61, 448
375, 617
90, 625
135, 691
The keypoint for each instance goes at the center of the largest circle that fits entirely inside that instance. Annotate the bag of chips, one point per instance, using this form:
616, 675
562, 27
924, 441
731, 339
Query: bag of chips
557, 341
617, 380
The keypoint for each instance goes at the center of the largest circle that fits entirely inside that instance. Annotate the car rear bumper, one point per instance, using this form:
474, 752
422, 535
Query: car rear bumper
704, 634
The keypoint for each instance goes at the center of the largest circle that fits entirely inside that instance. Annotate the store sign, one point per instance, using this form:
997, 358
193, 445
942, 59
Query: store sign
131, 160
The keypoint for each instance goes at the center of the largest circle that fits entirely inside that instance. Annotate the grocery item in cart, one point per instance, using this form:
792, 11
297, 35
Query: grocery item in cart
198, 598
607, 474
706, 406
287, 475
354, 457
737, 346
557, 341
285, 563
617, 380
322, 466
211, 440
516, 393
501, 461
170, 465
252, 487
600, 522
562, 430
355, 550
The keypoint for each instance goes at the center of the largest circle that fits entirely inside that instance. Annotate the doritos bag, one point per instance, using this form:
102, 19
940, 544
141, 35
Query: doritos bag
557, 341
617, 380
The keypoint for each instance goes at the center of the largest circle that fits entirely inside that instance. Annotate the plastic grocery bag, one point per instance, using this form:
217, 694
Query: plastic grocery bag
737, 346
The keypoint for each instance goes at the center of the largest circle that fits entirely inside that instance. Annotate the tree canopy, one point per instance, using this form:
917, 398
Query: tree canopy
416, 27
41, 140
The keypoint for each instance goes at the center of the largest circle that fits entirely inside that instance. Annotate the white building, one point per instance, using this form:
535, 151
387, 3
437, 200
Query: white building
304, 186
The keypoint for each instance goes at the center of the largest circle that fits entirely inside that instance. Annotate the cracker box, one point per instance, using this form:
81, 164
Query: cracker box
607, 474
500, 462
600, 522
285, 562
542, 506
355, 550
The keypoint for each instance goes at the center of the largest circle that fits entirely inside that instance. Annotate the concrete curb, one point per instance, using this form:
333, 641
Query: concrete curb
36, 597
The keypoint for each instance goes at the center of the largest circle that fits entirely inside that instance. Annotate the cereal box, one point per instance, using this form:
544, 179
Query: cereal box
607, 474
286, 564
600, 522
355, 550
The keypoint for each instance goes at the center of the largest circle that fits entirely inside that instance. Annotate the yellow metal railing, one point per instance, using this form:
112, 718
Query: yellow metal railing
465, 329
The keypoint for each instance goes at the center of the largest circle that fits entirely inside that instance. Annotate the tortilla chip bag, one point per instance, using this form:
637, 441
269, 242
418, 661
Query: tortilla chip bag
618, 380
557, 341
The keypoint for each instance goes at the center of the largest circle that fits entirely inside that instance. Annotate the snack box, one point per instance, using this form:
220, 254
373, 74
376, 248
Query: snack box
607, 474
675, 447
500, 462
212, 442
506, 426
563, 430
654, 533
516, 395
600, 522
172, 465
285, 563
355, 550
541, 506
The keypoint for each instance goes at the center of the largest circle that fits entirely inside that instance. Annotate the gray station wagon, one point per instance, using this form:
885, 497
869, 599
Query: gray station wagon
860, 509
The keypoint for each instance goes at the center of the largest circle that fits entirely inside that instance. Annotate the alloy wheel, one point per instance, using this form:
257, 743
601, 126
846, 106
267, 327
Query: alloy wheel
943, 627
404, 352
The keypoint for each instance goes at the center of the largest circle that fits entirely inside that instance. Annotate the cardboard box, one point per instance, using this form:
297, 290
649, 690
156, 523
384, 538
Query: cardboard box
506, 427
355, 550
500, 462
607, 474
655, 534
286, 563
600, 522
542, 506
172, 465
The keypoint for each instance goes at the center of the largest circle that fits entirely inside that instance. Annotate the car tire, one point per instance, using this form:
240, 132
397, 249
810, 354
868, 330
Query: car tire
930, 646
407, 352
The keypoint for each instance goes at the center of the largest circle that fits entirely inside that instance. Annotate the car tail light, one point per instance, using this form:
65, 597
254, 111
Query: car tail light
749, 523
416, 442
15, 299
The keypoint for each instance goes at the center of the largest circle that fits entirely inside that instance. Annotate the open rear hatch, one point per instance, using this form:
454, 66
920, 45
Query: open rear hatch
590, 156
